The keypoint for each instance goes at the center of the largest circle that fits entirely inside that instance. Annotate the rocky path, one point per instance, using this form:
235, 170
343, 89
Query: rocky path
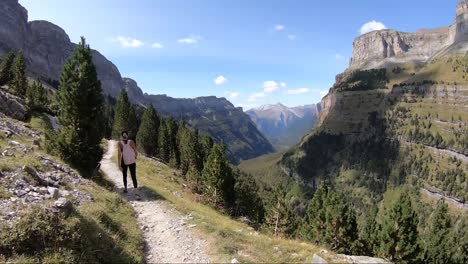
167, 237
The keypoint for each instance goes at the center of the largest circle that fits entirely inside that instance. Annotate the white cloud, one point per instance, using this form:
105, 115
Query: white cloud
279, 27
232, 95
246, 106
253, 97
283, 84
292, 37
157, 45
323, 93
339, 56
220, 80
127, 42
270, 86
298, 91
190, 40
371, 26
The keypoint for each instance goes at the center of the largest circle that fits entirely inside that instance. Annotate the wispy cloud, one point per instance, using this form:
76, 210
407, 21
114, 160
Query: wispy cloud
157, 45
220, 80
253, 97
339, 56
190, 40
292, 37
128, 42
232, 95
280, 27
372, 26
282, 84
298, 91
270, 86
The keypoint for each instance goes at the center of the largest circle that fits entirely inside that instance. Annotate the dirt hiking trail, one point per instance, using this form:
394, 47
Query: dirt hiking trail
167, 237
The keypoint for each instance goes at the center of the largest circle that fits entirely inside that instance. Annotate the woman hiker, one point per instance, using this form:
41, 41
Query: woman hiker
127, 159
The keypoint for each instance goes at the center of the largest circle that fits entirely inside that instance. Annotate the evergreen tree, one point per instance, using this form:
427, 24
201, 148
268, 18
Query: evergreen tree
108, 120
315, 221
459, 241
248, 203
206, 145
125, 117
399, 235
172, 129
36, 97
218, 178
80, 104
164, 141
147, 137
6, 71
341, 226
437, 237
19, 82
278, 215
369, 234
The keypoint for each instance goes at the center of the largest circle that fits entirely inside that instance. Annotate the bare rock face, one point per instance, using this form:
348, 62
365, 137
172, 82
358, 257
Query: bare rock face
376, 48
134, 91
47, 47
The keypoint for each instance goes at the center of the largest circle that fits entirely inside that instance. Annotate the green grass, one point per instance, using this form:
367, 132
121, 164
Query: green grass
264, 168
226, 237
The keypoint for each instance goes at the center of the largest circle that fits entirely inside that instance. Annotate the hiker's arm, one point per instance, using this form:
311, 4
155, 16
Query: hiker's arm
120, 154
132, 144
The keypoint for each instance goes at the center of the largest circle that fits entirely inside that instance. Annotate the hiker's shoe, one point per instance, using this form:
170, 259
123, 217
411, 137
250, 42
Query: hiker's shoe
125, 191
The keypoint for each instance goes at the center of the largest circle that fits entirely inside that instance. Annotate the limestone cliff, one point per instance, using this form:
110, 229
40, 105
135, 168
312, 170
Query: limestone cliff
377, 48
47, 47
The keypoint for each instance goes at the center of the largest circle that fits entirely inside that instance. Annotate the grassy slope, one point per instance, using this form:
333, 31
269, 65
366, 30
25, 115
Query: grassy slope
103, 230
227, 238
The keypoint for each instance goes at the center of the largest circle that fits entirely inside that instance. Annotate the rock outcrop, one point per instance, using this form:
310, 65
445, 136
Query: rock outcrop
47, 47
377, 48
13, 106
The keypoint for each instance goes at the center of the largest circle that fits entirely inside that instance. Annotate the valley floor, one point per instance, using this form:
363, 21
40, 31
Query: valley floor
167, 236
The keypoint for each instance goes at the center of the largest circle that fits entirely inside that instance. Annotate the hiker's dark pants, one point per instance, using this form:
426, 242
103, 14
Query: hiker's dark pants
132, 168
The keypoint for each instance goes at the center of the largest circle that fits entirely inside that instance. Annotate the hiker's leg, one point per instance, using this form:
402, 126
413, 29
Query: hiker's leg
124, 174
133, 174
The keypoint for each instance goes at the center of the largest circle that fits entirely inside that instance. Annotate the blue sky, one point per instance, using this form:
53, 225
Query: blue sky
251, 52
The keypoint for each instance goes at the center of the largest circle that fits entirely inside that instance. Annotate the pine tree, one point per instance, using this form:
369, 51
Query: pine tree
147, 137
248, 203
125, 117
369, 234
218, 178
6, 73
341, 232
108, 120
36, 97
459, 241
437, 236
316, 216
278, 215
19, 82
399, 235
172, 128
80, 104
206, 144
164, 141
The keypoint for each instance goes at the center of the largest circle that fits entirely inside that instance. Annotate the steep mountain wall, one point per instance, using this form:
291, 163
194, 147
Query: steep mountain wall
377, 48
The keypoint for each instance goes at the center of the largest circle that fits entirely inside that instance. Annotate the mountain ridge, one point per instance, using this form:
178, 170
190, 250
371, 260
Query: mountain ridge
46, 48
284, 126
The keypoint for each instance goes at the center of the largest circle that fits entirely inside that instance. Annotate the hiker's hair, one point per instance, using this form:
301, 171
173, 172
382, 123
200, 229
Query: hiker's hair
124, 132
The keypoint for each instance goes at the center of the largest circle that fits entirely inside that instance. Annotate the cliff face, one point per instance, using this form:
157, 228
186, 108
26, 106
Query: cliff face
377, 48
47, 47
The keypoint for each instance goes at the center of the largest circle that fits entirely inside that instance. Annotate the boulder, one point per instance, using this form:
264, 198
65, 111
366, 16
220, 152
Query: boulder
64, 206
13, 106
